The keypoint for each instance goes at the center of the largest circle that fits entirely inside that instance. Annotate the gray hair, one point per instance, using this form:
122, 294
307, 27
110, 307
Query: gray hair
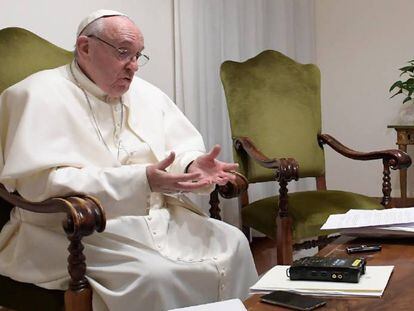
95, 28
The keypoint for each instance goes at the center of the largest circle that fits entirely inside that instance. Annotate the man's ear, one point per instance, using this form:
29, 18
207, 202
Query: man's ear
82, 46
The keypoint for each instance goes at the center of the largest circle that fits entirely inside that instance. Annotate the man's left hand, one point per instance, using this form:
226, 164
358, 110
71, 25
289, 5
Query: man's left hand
213, 170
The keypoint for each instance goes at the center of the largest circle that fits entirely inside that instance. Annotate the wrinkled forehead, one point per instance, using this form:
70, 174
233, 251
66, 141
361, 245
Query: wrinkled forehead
122, 28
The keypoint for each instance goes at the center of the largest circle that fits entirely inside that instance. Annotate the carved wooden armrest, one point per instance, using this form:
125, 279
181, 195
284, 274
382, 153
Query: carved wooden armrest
393, 158
396, 159
286, 169
84, 216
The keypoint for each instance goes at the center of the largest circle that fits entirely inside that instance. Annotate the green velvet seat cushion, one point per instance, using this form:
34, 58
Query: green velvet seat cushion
23, 296
308, 209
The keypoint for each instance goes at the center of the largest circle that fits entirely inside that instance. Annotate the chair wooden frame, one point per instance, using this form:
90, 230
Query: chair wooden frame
84, 216
287, 169
231, 190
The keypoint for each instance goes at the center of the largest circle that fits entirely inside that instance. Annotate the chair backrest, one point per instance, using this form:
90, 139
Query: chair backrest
275, 101
23, 53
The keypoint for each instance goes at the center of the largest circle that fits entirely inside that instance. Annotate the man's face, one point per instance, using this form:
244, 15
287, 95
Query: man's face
105, 62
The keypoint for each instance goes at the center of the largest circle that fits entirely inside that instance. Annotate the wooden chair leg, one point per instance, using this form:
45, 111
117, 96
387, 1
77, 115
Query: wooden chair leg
78, 300
386, 186
79, 295
215, 204
322, 242
284, 241
247, 232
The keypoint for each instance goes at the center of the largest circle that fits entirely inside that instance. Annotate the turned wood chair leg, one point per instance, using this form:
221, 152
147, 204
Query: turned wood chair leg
214, 204
247, 232
79, 295
386, 185
284, 241
78, 300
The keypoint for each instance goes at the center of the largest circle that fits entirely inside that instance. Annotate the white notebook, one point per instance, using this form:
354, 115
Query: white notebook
372, 283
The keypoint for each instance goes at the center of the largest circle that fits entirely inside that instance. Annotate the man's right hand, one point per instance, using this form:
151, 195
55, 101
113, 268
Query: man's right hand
161, 181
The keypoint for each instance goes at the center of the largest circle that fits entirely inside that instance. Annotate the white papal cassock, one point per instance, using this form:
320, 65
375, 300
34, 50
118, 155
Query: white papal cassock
155, 253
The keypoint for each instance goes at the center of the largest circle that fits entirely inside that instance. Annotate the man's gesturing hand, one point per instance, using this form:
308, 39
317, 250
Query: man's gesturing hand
211, 170
161, 181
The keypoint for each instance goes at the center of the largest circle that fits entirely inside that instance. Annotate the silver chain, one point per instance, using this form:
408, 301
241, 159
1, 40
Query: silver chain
95, 122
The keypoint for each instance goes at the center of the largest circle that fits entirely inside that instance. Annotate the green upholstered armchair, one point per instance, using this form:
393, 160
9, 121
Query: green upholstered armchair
275, 116
21, 54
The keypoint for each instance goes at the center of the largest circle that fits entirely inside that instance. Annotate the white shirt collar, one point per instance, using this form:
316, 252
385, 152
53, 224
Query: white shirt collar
88, 85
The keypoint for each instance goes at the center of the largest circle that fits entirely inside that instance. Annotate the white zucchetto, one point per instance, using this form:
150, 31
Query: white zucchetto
94, 16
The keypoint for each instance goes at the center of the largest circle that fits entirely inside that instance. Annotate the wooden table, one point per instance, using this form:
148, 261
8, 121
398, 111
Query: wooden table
405, 137
399, 293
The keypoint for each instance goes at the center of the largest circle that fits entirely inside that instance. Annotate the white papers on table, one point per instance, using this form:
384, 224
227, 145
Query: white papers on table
403, 218
371, 284
226, 305
400, 231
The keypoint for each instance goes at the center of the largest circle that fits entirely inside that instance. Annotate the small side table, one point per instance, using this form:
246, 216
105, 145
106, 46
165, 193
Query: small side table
405, 136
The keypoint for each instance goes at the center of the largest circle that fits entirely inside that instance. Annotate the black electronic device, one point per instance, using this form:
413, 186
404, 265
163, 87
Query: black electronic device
292, 300
363, 248
327, 269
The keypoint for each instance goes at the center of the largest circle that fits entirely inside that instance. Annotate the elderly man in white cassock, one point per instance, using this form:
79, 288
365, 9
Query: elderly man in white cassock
91, 126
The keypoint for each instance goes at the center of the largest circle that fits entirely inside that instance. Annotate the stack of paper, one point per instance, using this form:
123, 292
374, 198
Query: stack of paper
387, 222
371, 284
226, 305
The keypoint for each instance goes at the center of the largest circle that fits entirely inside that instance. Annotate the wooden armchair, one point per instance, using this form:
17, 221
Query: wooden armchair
84, 216
275, 117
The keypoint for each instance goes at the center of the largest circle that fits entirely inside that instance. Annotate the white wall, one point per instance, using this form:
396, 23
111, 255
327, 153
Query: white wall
360, 46
57, 22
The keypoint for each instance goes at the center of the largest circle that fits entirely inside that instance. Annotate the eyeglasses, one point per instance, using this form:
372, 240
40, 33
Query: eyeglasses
124, 54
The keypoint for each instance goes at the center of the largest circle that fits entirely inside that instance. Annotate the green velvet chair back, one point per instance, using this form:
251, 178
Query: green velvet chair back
23, 53
275, 101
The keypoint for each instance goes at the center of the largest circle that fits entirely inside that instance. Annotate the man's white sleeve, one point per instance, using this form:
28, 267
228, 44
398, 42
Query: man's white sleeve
113, 187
